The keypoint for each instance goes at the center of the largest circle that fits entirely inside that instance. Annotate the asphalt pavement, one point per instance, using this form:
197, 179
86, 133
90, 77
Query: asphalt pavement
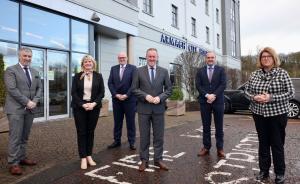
53, 145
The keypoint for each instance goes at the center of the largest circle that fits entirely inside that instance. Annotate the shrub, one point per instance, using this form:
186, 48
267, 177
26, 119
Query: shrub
177, 94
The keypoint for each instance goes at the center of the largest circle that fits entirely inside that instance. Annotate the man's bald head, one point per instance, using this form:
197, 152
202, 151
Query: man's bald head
122, 58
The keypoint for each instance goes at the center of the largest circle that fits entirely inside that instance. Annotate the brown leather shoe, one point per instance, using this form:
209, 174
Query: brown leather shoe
28, 162
143, 166
221, 153
161, 165
203, 152
15, 170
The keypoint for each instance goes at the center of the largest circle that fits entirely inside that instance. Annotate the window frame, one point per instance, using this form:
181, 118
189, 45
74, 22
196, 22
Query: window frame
194, 26
174, 16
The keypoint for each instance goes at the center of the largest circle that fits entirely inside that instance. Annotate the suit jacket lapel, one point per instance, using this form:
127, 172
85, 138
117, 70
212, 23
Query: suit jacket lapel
157, 75
117, 73
214, 73
147, 74
205, 73
21, 71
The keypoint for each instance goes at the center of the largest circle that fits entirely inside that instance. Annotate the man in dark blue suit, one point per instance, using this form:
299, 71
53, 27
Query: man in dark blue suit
124, 103
211, 83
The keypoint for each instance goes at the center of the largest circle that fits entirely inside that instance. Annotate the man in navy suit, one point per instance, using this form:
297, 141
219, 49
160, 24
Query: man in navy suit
211, 83
124, 103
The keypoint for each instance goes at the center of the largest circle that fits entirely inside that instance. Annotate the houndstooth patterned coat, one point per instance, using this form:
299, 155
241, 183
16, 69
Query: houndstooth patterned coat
278, 84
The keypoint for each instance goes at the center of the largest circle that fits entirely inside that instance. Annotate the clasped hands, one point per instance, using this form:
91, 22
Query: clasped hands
89, 106
30, 105
154, 100
121, 97
211, 98
262, 98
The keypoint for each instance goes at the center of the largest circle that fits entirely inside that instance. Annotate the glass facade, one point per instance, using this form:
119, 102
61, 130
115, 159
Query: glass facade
80, 36
41, 28
9, 20
75, 64
8, 54
58, 43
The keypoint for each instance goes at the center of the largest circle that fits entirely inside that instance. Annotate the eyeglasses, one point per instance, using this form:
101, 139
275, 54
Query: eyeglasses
266, 57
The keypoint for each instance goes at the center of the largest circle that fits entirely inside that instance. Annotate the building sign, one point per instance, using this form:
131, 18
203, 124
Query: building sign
181, 44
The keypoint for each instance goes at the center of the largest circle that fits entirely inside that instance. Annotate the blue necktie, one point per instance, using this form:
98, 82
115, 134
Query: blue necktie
152, 74
27, 75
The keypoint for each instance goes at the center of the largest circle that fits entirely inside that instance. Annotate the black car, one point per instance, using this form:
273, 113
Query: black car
236, 100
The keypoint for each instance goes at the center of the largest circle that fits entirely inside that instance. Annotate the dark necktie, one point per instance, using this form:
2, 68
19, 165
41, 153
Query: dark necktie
152, 74
210, 73
27, 75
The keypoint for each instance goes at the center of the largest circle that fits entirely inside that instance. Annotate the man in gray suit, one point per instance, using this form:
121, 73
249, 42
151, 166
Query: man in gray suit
152, 86
23, 91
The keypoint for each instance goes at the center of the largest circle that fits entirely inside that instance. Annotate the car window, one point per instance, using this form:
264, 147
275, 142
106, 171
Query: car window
296, 83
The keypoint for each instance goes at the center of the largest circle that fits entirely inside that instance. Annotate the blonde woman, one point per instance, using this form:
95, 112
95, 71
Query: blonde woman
87, 93
270, 89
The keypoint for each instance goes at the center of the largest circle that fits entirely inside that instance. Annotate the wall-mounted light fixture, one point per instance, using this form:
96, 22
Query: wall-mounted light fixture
95, 17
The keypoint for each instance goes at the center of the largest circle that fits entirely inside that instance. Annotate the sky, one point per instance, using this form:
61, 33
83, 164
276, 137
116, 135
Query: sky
274, 23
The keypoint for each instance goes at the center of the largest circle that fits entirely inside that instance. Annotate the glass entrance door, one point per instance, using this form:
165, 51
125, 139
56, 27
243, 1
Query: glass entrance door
53, 69
38, 63
57, 79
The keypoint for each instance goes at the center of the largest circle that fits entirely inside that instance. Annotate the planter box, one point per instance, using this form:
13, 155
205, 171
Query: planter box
175, 107
104, 110
192, 106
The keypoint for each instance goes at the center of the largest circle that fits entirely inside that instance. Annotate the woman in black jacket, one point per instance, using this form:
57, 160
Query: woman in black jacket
87, 94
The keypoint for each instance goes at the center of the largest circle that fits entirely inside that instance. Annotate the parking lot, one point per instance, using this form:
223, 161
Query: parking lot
182, 142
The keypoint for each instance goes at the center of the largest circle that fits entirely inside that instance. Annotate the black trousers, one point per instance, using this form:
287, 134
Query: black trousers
271, 134
85, 122
206, 115
120, 109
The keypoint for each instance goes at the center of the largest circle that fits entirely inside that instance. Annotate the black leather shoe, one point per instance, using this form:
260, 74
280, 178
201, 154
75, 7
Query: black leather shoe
132, 147
263, 176
279, 179
114, 145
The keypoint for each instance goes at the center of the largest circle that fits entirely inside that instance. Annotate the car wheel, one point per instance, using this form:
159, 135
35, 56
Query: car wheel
294, 109
227, 108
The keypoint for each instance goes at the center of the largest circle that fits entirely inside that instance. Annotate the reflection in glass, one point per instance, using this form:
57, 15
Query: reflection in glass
38, 57
58, 82
45, 29
8, 54
175, 74
9, 20
80, 36
76, 60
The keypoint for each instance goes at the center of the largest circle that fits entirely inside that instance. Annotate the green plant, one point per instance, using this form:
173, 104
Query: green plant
2, 86
177, 94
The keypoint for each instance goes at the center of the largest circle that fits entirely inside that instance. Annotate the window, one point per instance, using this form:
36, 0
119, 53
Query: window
193, 2
207, 34
218, 40
9, 21
45, 29
8, 54
207, 7
75, 63
142, 61
147, 6
175, 74
80, 36
174, 16
217, 15
194, 27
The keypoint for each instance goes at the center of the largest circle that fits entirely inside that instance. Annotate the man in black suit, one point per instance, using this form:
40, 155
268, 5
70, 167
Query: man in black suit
152, 87
211, 83
124, 103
